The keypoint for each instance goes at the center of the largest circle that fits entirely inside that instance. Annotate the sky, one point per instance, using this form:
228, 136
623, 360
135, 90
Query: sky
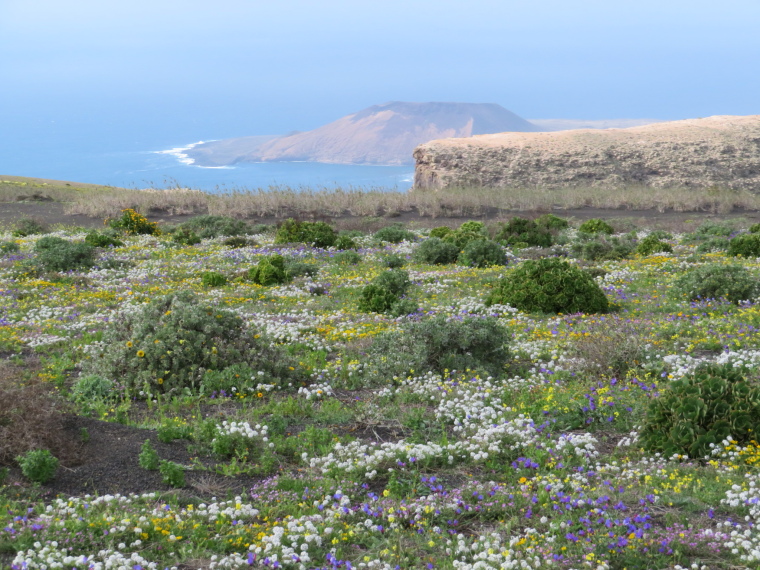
147, 72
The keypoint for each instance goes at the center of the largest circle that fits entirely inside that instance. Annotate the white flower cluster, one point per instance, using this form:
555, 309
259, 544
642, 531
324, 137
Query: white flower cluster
48, 556
243, 429
683, 364
316, 391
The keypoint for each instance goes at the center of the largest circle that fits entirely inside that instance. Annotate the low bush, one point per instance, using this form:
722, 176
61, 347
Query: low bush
345, 242
603, 248
394, 234
269, 271
346, 258
133, 223
441, 343
148, 457
236, 241
393, 261
652, 244
97, 239
318, 234
209, 226
440, 232
172, 474
395, 280
7, 247
745, 245
383, 295
213, 279
435, 251
524, 231
713, 244
295, 269
482, 253
57, 254
714, 281
551, 222
27, 227
595, 226
549, 286
92, 388
170, 343
185, 236
38, 465
702, 408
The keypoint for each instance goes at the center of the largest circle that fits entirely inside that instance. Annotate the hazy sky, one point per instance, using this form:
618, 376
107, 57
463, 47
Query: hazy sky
149, 70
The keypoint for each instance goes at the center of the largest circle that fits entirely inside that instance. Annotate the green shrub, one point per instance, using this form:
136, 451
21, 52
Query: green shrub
345, 242
38, 465
524, 231
57, 254
9, 247
27, 227
318, 234
185, 236
235, 242
754, 229
713, 244
435, 251
393, 261
383, 294
704, 407
651, 244
660, 234
711, 229
209, 226
171, 342
92, 388
295, 269
746, 245
551, 222
603, 248
213, 279
133, 223
549, 286
394, 280
269, 271
596, 226
148, 458
97, 239
482, 253
460, 238
440, 232
172, 474
394, 234
376, 299
440, 343
732, 282
346, 258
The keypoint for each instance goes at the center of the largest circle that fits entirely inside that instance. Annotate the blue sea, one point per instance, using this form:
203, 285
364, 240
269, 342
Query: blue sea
165, 165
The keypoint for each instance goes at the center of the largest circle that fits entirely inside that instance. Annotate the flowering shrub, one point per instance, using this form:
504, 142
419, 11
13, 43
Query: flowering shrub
132, 223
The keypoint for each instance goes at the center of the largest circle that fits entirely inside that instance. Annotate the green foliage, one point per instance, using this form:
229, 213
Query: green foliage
133, 223
394, 234
551, 222
440, 343
185, 236
383, 294
345, 242
713, 281
269, 271
704, 407
523, 231
746, 245
549, 286
27, 227
4, 471
596, 226
172, 474
171, 342
346, 258
394, 280
213, 279
713, 244
473, 226
482, 253
208, 226
235, 242
148, 458
754, 229
92, 388
652, 244
9, 247
713, 229
57, 254
393, 261
440, 232
318, 234
435, 251
38, 465
97, 239
173, 428
295, 269
603, 248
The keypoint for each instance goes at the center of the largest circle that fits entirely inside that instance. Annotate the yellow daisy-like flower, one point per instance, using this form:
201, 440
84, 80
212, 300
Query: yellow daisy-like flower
140, 353
160, 380
129, 344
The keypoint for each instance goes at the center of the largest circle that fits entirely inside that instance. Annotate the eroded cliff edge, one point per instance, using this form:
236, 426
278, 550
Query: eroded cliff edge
721, 151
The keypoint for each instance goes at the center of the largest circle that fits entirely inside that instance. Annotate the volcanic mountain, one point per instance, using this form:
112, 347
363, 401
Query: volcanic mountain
381, 134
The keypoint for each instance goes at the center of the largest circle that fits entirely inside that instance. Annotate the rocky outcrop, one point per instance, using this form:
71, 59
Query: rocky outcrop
721, 151
382, 134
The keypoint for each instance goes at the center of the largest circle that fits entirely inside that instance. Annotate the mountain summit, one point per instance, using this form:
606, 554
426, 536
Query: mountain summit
382, 134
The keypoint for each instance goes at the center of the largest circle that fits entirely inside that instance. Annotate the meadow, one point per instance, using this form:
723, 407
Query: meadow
306, 398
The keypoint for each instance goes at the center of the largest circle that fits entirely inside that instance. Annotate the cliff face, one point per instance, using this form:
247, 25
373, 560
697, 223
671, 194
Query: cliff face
715, 151
381, 134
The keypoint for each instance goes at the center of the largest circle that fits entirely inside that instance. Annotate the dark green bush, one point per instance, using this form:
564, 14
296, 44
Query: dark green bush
704, 407
549, 286
185, 236
460, 238
713, 244
170, 343
482, 253
208, 226
595, 226
395, 280
213, 279
376, 299
236, 241
393, 261
38, 465
435, 251
27, 227
97, 239
524, 231
318, 234
346, 258
295, 269
440, 232
383, 294
345, 242
652, 244
269, 271
746, 245
57, 254
9, 247
602, 248
661, 234
441, 343
732, 282
551, 222
754, 229
394, 234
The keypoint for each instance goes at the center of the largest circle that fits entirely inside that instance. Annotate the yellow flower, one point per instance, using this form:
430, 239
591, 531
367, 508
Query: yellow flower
129, 344
140, 353
160, 380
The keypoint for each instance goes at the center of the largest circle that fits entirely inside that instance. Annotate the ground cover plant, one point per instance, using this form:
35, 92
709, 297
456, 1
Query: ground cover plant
417, 399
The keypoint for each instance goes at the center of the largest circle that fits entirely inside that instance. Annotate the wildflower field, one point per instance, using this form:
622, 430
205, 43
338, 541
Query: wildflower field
380, 401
